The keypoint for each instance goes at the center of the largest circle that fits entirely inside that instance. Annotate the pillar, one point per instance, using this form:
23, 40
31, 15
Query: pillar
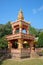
31, 46
20, 30
9, 44
14, 31
32, 52
20, 43
28, 30
20, 27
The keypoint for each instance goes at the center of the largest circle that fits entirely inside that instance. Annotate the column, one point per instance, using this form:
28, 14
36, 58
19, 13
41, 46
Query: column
33, 54
20, 30
14, 31
9, 44
31, 49
28, 30
31, 45
20, 43
20, 27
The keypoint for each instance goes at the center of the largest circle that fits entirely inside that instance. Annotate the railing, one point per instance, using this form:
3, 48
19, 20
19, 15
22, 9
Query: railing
20, 35
12, 36
28, 36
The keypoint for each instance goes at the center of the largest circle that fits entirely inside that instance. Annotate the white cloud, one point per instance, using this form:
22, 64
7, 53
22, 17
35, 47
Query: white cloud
37, 10
40, 9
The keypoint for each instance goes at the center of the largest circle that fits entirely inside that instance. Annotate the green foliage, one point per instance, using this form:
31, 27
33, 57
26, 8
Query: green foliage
26, 45
37, 33
15, 45
7, 28
1, 30
33, 31
40, 40
4, 30
3, 43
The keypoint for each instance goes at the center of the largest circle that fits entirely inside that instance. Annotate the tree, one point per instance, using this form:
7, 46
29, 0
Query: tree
3, 43
33, 31
5, 29
1, 30
40, 40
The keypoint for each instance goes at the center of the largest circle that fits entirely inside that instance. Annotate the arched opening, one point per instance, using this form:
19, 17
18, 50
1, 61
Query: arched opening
25, 44
15, 45
23, 30
17, 30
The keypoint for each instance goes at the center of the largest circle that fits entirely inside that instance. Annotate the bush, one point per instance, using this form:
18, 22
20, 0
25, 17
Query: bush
40, 40
3, 43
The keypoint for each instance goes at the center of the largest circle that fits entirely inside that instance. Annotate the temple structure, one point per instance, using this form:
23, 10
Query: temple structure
20, 42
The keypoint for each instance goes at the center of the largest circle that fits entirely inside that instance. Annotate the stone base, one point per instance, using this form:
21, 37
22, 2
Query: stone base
33, 54
20, 53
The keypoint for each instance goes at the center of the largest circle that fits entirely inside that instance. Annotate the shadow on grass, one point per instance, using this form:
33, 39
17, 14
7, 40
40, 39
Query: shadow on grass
1, 62
2, 58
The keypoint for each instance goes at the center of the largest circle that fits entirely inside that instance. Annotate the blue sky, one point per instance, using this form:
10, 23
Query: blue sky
32, 10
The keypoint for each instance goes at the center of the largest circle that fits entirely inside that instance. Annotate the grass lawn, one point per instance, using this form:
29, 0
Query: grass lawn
22, 62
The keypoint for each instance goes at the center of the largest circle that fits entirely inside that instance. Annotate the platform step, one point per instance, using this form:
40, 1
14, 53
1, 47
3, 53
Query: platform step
34, 55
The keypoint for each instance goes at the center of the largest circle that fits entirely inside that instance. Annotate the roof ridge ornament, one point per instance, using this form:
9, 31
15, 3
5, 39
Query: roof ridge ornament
20, 15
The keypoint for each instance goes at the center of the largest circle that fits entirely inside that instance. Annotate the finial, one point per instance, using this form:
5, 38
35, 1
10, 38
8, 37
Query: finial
20, 15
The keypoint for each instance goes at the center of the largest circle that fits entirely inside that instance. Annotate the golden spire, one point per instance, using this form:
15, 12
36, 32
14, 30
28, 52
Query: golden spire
20, 15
